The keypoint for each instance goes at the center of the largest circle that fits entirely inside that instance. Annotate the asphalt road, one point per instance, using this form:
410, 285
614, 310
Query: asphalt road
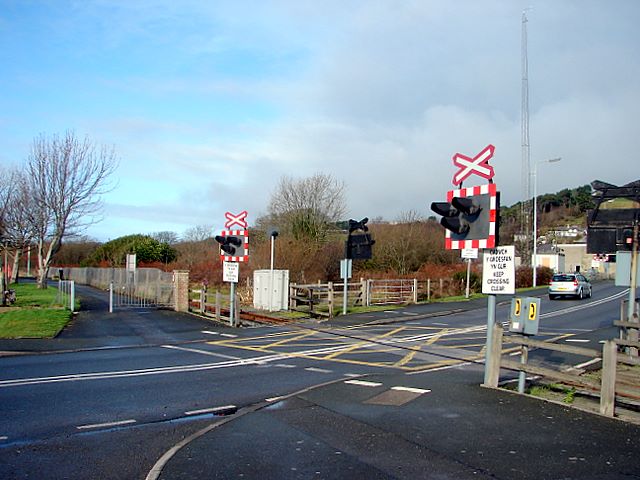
135, 383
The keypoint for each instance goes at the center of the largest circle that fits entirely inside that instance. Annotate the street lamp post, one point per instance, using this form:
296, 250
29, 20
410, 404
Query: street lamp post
274, 234
535, 214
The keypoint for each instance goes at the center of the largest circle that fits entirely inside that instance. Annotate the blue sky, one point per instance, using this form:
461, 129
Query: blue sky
208, 104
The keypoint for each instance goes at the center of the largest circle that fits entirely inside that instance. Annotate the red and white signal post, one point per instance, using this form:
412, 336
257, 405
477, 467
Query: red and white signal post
234, 249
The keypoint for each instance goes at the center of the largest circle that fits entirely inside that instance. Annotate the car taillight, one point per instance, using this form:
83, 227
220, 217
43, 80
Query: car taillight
575, 283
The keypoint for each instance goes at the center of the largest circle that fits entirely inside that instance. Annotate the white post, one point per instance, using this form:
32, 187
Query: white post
232, 304
111, 297
535, 216
468, 273
271, 280
535, 223
72, 285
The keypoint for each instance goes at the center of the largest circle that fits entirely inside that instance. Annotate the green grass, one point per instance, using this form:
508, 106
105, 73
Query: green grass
34, 315
553, 391
33, 323
29, 295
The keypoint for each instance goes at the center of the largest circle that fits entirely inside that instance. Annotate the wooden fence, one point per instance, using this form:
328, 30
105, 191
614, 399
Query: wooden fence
612, 382
212, 304
323, 299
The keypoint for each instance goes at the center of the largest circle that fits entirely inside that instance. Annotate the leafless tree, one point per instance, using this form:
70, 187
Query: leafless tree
197, 243
67, 176
198, 233
307, 207
7, 187
166, 236
19, 229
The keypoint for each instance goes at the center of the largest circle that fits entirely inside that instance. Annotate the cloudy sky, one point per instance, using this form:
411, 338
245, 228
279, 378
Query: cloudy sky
208, 104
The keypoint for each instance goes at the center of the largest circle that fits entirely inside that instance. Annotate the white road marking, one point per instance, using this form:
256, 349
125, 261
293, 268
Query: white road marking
210, 333
363, 383
587, 363
352, 375
583, 306
440, 324
4, 438
165, 370
210, 410
410, 389
106, 425
318, 370
203, 352
577, 340
228, 335
412, 314
272, 399
284, 365
445, 367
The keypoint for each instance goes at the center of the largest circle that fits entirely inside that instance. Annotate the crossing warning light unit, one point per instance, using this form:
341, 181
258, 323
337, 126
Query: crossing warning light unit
358, 245
234, 245
470, 217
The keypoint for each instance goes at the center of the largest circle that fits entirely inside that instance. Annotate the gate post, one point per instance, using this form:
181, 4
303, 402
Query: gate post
111, 297
492, 362
203, 300
608, 382
181, 290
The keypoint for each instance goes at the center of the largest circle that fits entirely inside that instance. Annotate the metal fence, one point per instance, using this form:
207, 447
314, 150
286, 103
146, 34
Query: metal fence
66, 295
142, 288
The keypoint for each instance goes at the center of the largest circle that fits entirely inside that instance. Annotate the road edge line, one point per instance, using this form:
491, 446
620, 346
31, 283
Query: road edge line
157, 468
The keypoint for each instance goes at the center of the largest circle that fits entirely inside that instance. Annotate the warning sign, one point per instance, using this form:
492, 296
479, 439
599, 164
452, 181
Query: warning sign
499, 271
230, 272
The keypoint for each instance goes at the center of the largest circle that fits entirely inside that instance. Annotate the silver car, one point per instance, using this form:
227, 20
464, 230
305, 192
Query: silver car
569, 284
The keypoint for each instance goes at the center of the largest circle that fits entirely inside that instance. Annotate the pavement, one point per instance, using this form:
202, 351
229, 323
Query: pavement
439, 424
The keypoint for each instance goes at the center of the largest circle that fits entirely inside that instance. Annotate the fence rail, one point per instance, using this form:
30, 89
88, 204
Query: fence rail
213, 304
142, 288
321, 299
66, 295
612, 382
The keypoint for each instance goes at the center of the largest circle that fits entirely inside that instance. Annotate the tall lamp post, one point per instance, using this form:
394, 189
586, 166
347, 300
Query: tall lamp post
274, 234
535, 214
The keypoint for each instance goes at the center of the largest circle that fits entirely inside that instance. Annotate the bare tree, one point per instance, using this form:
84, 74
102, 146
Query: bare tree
198, 233
19, 229
197, 243
67, 176
7, 187
166, 236
307, 207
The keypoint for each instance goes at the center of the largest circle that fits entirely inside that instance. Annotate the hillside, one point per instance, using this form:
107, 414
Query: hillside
568, 207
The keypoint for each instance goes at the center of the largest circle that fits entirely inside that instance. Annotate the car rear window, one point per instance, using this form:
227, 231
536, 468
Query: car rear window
562, 278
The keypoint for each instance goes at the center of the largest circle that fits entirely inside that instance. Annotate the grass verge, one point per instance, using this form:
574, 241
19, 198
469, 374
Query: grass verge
34, 315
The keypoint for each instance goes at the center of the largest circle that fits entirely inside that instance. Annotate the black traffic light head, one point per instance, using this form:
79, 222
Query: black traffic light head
444, 209
470, 217
229, 245
361, 225
457, 225
358, 246
467, 205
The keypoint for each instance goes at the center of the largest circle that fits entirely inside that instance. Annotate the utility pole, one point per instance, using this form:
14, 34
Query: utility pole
525, 254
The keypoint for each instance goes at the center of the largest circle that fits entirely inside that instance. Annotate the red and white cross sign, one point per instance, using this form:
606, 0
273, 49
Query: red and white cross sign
239, 219
478, 165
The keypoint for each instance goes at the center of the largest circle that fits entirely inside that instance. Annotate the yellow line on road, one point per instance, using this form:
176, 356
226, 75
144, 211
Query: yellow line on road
415, 350
359, 345
307, 333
